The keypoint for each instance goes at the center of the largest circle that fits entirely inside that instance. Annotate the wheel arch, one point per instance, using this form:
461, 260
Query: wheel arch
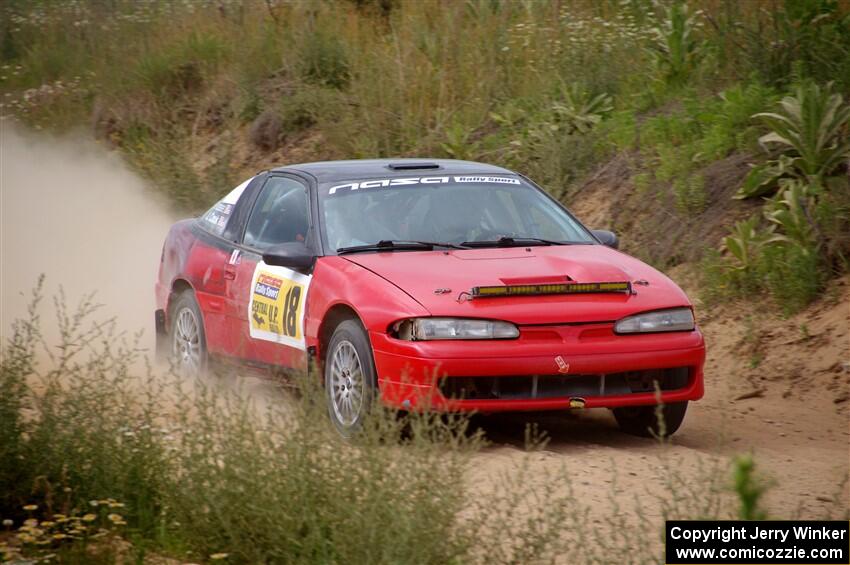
332, 318
178, 286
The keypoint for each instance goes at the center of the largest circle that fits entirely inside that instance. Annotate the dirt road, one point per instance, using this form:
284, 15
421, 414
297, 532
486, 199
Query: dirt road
775, 388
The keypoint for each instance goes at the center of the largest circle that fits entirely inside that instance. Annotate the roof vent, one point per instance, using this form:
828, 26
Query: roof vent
412, 166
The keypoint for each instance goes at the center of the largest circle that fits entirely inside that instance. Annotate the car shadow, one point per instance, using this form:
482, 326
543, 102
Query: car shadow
563, 431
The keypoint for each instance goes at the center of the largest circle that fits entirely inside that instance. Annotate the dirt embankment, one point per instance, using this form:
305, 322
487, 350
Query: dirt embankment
646, 219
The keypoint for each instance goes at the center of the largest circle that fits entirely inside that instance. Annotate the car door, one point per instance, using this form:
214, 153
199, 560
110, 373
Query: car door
268, 302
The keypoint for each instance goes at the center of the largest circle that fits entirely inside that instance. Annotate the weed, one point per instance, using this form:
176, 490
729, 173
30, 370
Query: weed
744, 244
790, 41
643, 183
458, 144
182, 68
578, 111
195, 470
690, 194
748, 489
810, 133
677, 50
793, 275
323, 60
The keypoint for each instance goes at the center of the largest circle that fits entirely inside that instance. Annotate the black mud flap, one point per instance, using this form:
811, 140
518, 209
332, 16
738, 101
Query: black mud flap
162, 349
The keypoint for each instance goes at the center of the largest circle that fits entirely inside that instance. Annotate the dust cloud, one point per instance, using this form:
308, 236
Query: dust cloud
73, 211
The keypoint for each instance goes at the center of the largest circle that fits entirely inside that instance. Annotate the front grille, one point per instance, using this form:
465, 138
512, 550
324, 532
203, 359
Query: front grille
519, 387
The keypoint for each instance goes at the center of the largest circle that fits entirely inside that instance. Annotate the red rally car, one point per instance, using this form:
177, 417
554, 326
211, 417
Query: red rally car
442, 285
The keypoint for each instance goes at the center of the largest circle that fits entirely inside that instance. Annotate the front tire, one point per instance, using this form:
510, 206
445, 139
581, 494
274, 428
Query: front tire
188, 339
350, 379
644, 421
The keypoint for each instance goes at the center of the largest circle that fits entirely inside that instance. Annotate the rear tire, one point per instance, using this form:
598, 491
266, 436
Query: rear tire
350, 380
188, 340
643, 421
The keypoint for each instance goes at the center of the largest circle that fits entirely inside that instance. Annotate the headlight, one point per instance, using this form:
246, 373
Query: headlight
424, 329
674, 320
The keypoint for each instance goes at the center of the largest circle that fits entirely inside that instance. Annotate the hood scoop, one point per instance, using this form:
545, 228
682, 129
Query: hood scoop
551, 279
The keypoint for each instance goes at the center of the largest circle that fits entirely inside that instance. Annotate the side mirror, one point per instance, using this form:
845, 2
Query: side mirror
294, 255
608, 238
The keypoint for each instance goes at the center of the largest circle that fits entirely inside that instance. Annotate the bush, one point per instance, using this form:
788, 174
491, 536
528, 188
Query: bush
113, 467
794, 40
810, 137
196, 469
323, 59
784, 257
182, 68
793, 275
677, 50
804, 241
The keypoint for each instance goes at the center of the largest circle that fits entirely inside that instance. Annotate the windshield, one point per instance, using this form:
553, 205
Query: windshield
451, 209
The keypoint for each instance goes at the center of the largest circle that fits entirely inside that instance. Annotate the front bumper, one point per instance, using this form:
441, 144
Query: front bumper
536, 371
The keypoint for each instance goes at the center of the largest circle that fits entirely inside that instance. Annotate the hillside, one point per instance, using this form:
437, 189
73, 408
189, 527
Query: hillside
646, 107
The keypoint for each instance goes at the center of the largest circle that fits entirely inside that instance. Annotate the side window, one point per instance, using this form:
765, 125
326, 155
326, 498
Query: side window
215, 219
280, 214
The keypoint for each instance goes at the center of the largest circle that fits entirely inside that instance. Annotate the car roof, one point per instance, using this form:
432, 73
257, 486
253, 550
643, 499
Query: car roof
331, 171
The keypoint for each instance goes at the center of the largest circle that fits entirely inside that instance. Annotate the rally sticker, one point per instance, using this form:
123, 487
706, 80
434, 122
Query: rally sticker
218, 215
276, 308
497, 180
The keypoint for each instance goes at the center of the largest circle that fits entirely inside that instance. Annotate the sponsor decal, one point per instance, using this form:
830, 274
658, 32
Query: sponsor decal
218, 216
563, 366
276, 308
385, 183
223, 208
497, 180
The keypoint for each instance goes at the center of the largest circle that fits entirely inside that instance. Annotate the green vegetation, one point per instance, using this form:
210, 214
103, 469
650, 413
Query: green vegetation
91, 451
802, 238
812, 145
104, 461
200, 94
749, 489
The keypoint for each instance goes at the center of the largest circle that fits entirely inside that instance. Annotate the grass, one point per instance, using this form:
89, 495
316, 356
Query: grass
113, 462
198, 96
410, 78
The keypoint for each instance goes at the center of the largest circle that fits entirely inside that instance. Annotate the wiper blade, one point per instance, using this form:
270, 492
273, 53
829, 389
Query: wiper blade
395, 245
508, 241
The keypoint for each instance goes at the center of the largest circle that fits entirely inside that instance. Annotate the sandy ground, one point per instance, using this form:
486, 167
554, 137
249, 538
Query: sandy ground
795, 425
776, 388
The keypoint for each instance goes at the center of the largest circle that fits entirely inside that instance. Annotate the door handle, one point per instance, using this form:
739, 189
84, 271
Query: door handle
229, 273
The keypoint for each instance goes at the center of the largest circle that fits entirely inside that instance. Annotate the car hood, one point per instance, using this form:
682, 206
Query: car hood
439, 279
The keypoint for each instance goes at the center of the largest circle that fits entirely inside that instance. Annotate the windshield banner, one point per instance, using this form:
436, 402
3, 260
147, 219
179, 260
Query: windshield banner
385, 183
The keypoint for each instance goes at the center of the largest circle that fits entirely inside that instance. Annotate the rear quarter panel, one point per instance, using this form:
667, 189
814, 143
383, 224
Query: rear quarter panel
191, 260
